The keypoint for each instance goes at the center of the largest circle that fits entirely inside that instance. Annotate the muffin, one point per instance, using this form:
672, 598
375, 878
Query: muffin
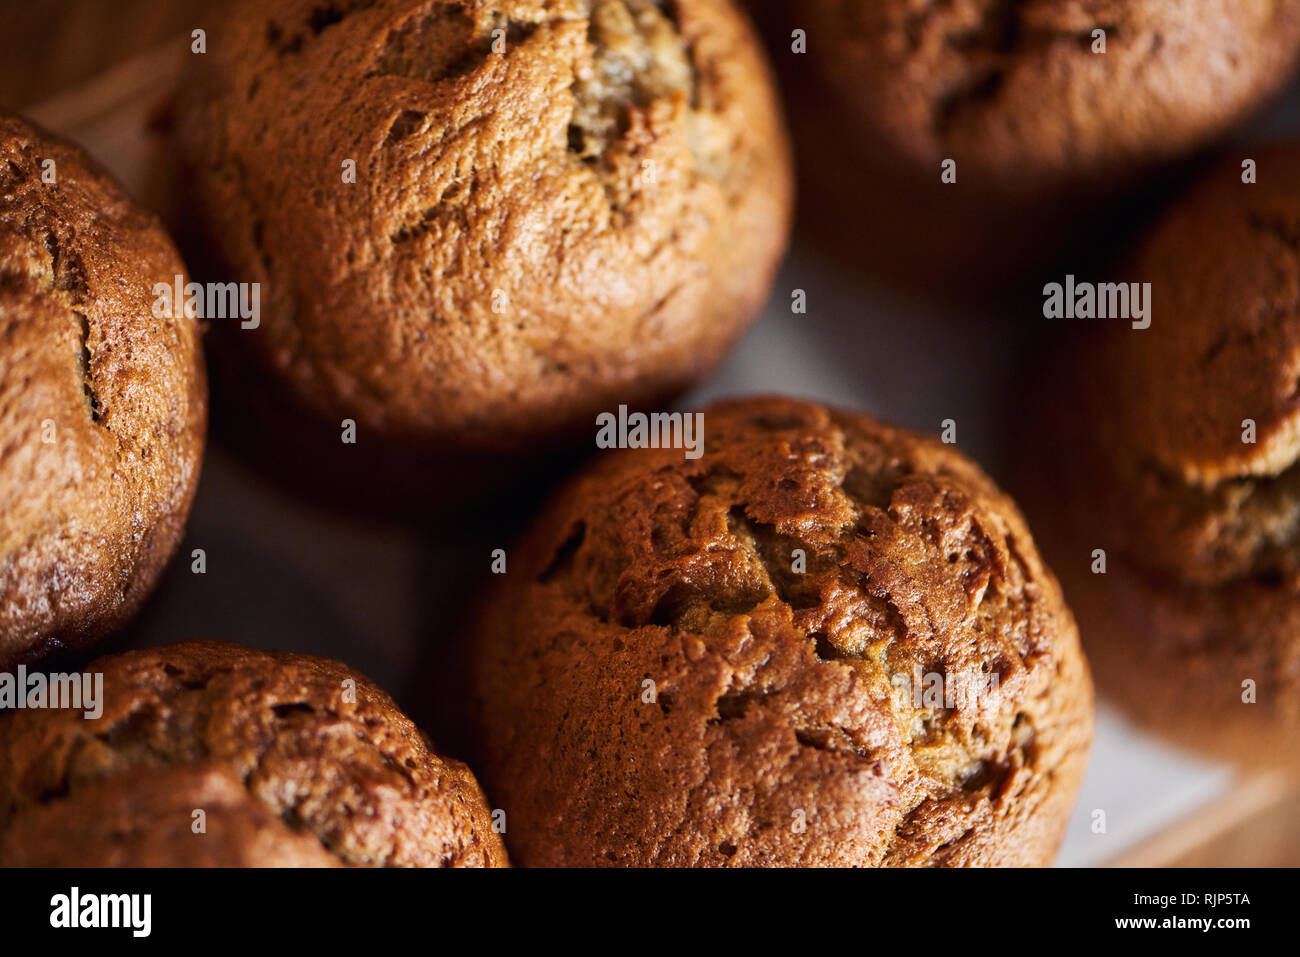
825, 641
1042, 128
293, 760
557, 207
103, 405
1179, 453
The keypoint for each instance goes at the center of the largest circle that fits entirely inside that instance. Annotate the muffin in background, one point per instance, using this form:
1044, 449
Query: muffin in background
556, 208
293, 760
731, 660
1046, 132
1167, 488
103, 405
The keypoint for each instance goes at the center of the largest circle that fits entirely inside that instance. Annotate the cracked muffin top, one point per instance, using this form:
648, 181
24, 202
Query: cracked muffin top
826, 641
293, 760
1013, 90
559, 205
103, 406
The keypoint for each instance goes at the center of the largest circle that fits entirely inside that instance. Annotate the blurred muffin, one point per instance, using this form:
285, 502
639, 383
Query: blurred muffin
103, 406
557, 207
730, 660
1040, 125
1178, 451
294, 760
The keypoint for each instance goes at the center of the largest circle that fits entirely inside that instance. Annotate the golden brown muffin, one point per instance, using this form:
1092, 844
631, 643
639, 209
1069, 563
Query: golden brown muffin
559, 206
1040, 126
1200, 526
782, 593
294, 760
103, 407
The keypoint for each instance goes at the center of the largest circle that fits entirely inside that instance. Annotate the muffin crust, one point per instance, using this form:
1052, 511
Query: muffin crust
558, 205
776, 701
103, 407
1015, 92
295, 760
1201, 527
1056, 148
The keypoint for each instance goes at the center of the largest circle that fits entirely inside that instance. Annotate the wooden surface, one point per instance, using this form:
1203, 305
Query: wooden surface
47, 47
1256, 824
1268, 838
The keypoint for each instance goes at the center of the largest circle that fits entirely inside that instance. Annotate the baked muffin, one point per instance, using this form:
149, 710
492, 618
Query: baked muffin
731, 660
1180, 448
1040, 126
557, 207
293, 760
103, 406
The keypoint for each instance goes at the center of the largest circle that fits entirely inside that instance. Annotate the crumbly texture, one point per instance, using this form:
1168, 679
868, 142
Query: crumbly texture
779, 731
103, 407
1014, 92
294, 760
560, 205
1201, 528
